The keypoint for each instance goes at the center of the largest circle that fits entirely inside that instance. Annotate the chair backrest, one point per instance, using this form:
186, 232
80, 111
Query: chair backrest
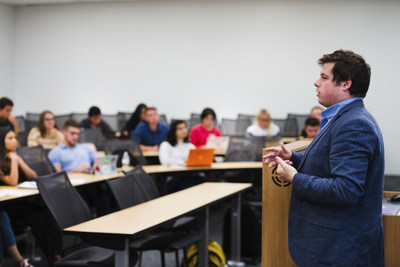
78, 116
246, 116
127, 191
62, 199
32, 116
29, 124
146, 182
287, 126
163, 119
112, 120
93, 136
36, 158
122, 118
300, 120
115, 146
60, 120
239, 149
235, 127
290, 128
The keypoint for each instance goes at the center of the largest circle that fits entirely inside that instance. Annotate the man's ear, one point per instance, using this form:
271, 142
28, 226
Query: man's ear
346, 84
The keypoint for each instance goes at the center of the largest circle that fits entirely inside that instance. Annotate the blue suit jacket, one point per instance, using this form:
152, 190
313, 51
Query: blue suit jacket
335, 214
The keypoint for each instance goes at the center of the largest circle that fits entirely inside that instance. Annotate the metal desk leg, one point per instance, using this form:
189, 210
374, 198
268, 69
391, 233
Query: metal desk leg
203, 244
122, 256
235, 232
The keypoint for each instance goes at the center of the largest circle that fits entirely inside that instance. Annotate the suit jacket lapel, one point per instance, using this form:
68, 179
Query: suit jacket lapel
329, 125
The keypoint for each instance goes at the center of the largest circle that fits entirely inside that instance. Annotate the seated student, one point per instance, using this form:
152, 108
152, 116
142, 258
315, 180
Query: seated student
137, 117
94, 120
7, 240
200, 132
13, 168
175, 151
263, 126
71, 156
46, 133
311, 128
6, 106
151, 132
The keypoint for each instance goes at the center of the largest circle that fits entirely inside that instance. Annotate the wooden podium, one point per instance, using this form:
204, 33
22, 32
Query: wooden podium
275, 213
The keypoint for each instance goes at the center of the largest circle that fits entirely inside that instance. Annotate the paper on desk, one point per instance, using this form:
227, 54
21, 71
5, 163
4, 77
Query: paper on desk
28, 185
77, 181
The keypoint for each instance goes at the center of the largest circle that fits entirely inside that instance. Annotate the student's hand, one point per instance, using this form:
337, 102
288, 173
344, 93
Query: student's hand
281, 152
12, 156
285, 171
153, 148
83, 168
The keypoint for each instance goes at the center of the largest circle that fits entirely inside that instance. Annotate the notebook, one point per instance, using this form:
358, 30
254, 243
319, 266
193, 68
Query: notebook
219, 143
200, 157
106, 164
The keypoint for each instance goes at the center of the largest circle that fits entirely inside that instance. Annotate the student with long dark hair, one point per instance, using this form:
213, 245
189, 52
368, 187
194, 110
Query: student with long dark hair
10, 163
137, 117
13, 169
175, 151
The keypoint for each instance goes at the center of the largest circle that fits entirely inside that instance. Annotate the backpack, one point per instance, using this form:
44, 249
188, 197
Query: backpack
216, 256
132, 160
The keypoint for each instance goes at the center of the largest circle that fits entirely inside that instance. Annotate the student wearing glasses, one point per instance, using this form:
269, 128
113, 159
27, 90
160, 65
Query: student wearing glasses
46, 133
263, 126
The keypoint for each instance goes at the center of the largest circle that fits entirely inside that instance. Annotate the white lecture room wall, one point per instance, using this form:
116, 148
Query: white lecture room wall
181, 56
6, 50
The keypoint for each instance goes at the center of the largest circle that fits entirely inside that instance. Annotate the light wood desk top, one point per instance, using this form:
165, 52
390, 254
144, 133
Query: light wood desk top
155, 153
215, 166
136, 219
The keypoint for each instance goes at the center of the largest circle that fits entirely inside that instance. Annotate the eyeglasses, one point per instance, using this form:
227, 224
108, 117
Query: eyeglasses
49, 119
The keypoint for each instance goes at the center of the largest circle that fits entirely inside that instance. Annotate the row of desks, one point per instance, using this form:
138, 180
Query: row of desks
85, 178
126, 224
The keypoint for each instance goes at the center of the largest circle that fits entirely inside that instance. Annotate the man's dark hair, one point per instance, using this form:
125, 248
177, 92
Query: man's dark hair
4, 101
311, 122
349, 66
71, 123
94, 111
206, 112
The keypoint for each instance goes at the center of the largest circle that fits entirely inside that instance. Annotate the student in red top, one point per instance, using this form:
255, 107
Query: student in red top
200, 132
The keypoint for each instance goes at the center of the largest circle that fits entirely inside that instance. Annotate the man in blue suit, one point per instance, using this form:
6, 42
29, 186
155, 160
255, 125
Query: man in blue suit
335, 214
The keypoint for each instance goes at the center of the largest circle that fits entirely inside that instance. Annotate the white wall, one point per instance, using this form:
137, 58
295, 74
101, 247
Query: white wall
181, 56
7, 31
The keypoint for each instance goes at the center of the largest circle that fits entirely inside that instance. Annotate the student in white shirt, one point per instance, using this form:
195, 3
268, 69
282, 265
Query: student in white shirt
175, 151
263, 126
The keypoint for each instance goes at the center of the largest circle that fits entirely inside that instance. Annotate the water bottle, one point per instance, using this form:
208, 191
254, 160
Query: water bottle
125, 159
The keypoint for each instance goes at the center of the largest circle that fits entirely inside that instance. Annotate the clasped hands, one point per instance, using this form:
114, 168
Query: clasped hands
280, 156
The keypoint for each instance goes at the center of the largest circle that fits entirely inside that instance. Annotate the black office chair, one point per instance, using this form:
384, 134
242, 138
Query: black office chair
68, 208
36, 158
93, 136
116, 146
138, 187
235, 127
300, 120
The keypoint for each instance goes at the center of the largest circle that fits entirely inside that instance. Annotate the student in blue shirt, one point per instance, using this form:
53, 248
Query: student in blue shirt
151, 132
71, 156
